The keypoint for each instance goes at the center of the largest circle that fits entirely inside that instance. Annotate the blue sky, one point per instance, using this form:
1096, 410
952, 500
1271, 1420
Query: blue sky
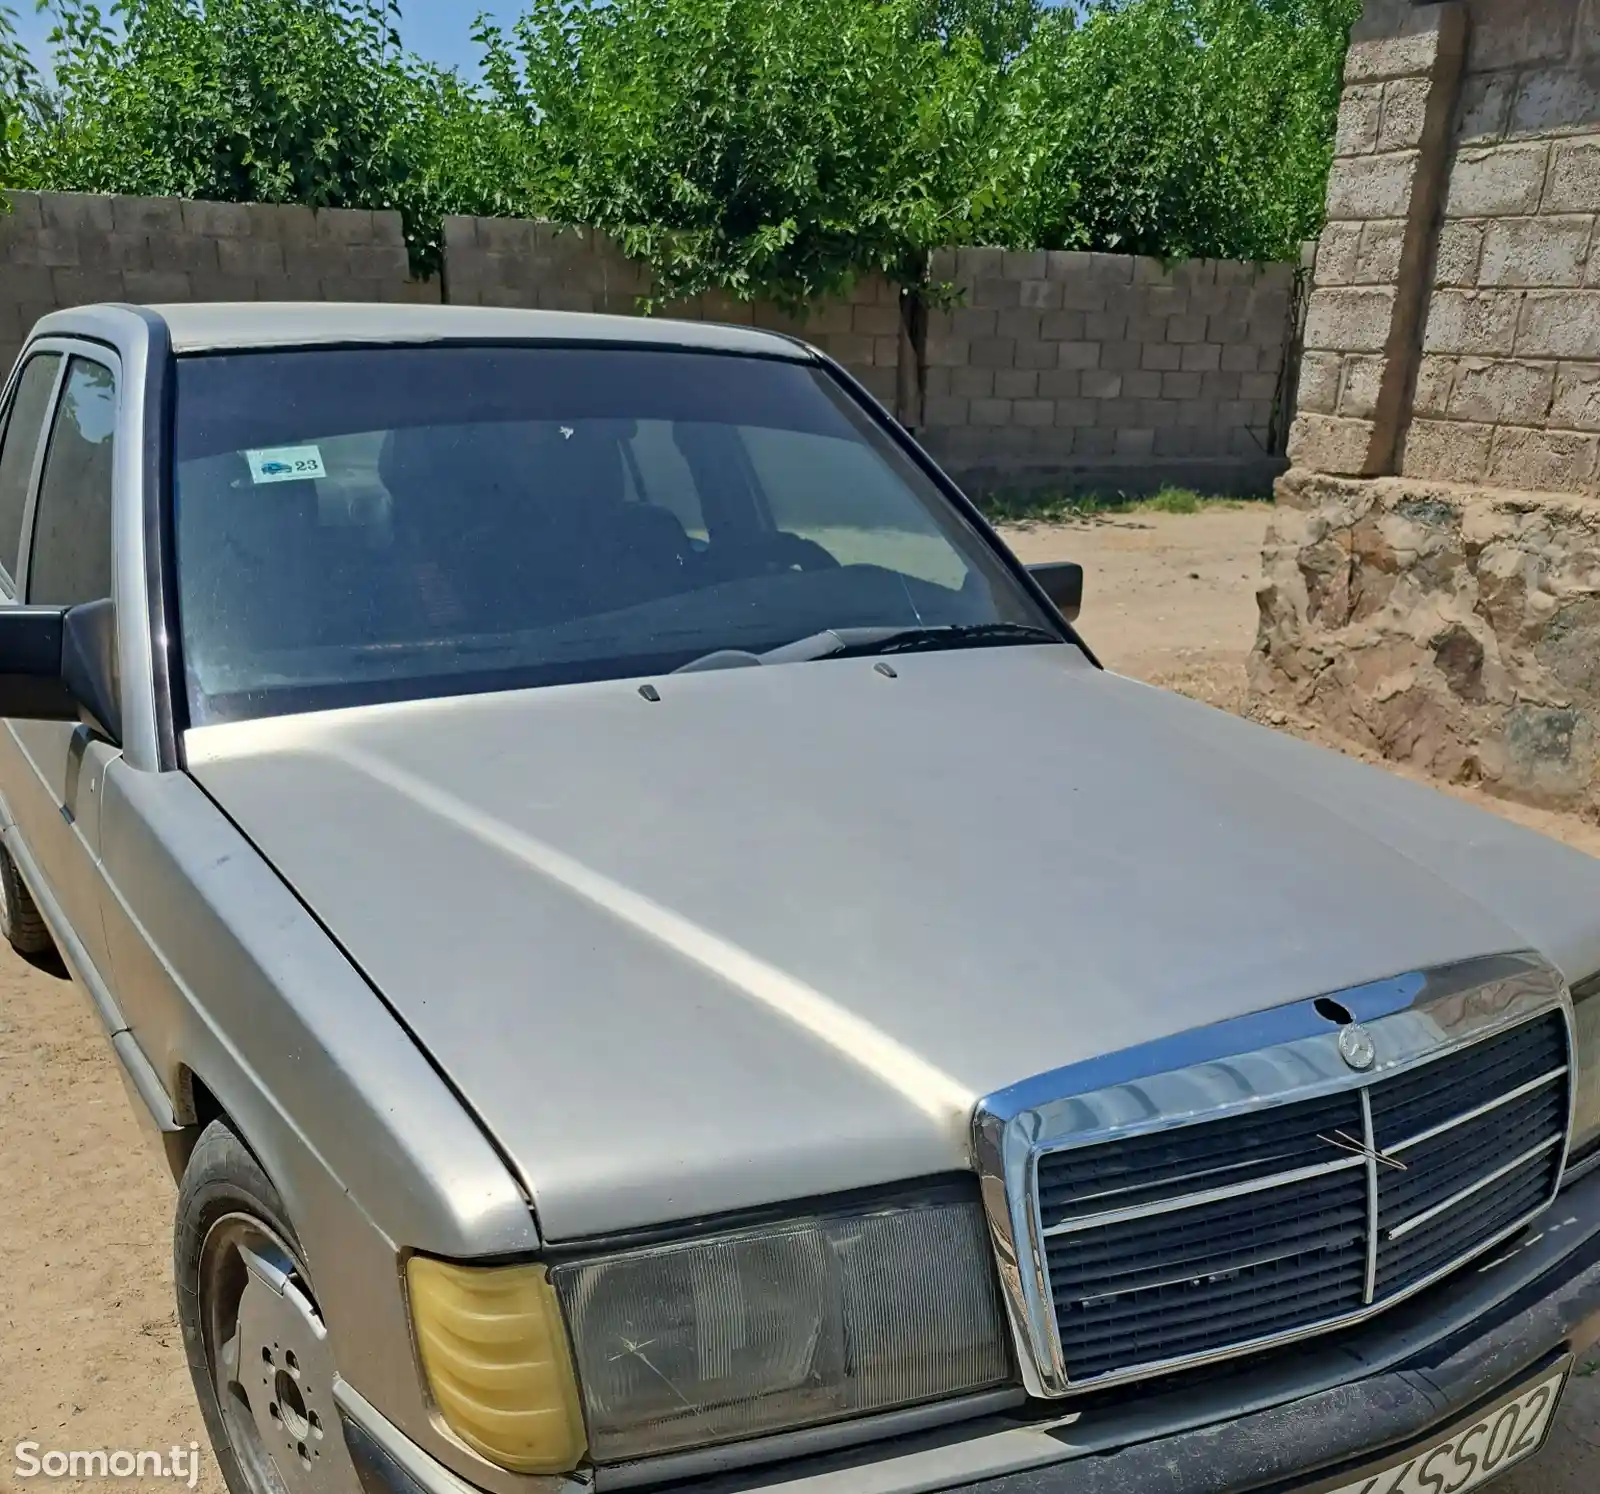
438, 29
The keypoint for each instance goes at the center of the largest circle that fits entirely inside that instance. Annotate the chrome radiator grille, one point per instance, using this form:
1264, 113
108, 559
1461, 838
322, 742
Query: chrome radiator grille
1190, 1242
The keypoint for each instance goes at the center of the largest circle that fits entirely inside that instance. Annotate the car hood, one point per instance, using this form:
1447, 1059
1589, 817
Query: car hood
771, 935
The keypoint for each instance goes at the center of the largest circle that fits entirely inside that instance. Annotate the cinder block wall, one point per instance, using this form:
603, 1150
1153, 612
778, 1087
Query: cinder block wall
509, 262
65, 249
1052, 370
1105, 370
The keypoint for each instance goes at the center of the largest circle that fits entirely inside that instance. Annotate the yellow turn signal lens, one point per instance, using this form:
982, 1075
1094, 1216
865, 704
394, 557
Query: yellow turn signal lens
494, 1350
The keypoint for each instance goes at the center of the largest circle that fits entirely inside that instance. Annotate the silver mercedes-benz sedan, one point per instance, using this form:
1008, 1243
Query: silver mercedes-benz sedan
657, 955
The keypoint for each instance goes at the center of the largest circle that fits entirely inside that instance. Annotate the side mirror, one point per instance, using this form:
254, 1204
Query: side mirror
1062, 582
59, 664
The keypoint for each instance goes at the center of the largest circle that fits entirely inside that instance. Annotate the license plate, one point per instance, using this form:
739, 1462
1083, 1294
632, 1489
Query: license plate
1503, 1436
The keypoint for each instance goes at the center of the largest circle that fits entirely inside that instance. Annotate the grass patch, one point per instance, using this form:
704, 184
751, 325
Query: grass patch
1063, 508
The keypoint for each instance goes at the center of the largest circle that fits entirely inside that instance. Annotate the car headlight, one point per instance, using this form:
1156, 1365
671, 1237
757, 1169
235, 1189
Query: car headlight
1586, 1081
762, 1330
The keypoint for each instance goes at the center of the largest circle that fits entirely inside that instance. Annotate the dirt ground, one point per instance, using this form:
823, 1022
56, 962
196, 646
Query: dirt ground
90, 1355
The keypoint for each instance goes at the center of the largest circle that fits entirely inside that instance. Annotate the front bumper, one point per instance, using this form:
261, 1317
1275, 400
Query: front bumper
1321, 1410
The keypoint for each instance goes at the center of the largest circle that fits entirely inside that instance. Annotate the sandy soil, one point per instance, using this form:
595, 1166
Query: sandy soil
90, 1355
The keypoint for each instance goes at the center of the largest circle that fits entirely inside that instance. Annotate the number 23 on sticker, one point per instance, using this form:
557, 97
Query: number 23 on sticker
285, 464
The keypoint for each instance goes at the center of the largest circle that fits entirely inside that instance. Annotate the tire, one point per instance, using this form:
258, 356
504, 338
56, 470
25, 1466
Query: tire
228, 1212
20, 920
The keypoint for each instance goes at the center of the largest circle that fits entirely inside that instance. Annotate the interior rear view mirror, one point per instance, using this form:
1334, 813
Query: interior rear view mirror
1062, 582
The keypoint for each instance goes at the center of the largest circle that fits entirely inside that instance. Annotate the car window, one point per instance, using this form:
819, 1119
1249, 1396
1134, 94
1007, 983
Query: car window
19, 442
356, 525
70, 560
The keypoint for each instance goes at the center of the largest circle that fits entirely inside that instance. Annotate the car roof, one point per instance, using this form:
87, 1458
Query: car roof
217, 326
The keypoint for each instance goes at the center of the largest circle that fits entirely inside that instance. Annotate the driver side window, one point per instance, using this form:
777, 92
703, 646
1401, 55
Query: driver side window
19, 442
70, 561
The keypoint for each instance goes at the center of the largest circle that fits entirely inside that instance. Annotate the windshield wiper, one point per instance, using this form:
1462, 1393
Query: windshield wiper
845, 643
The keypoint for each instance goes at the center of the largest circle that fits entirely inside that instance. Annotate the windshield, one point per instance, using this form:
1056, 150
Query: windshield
393, 523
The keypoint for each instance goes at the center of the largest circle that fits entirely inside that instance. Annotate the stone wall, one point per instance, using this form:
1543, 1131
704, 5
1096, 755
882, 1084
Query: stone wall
1432, 584
1108, 371
1049, 370
65, 249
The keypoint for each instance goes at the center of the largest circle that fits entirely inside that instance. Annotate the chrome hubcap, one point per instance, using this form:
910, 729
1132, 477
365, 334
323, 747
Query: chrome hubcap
273, 1372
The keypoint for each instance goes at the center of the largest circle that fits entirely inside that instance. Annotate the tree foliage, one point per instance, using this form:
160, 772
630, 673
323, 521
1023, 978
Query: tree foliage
761, 146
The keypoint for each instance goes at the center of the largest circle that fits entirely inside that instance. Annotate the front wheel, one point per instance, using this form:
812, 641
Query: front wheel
20, 921
255, 1340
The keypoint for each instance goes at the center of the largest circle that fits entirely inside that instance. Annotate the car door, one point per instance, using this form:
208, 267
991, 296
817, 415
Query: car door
66, 558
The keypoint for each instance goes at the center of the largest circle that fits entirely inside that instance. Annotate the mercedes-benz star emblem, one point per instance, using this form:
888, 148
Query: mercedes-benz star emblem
1357, 1048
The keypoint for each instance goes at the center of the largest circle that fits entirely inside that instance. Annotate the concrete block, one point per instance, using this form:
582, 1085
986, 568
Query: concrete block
1201, 357
1121, 356
1358, 389
1239, 273
24, 283
1372, 186
1116, 414
1094, 443
250, 256
944, 410
1067, 264
974, 264
1041, 295
124, 251
1460, 248
1033, 412
352, 288
1346, 320
1198, 413
1547, 251
1499, 182
1078, 355
1336, 254
46, 247
1150, 271
1556, 100
948, 352
1472, 322
26, 210
1074, 413
1576, 403
1435, 380
1560, 324
886, 352
1227, 329
1190, 327
1513, 33
1543, 461
875, 320
1018, 323
851, 350
76, 212
1398, 42
971, 383
1320, 377
1101, 383
1239, 357
1163, 356
288, 222
1210, 300
1220, 385
1574, 184
1405, 108
1060, 383
1062, 326
1141, 383
356, 226
1446, 451
1132, 442
1159, 414
1181, 386
994, 352
996, 292
147, 215
1485, 108
378, 262
86, 287
188, 252
154, 287
1166, 300
1112, 269
1360, 113
1103, 326
1016, 383
327, 261
1499, 392
990, 412
1263, 386
1038, 354
1378, 255
217, 220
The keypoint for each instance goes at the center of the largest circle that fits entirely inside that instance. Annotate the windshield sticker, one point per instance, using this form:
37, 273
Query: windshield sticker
285, 464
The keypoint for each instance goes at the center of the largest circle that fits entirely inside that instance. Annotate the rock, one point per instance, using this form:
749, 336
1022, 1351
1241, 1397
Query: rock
1451, 627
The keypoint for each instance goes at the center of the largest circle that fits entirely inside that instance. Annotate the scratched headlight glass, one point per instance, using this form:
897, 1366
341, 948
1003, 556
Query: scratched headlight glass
763, 1330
